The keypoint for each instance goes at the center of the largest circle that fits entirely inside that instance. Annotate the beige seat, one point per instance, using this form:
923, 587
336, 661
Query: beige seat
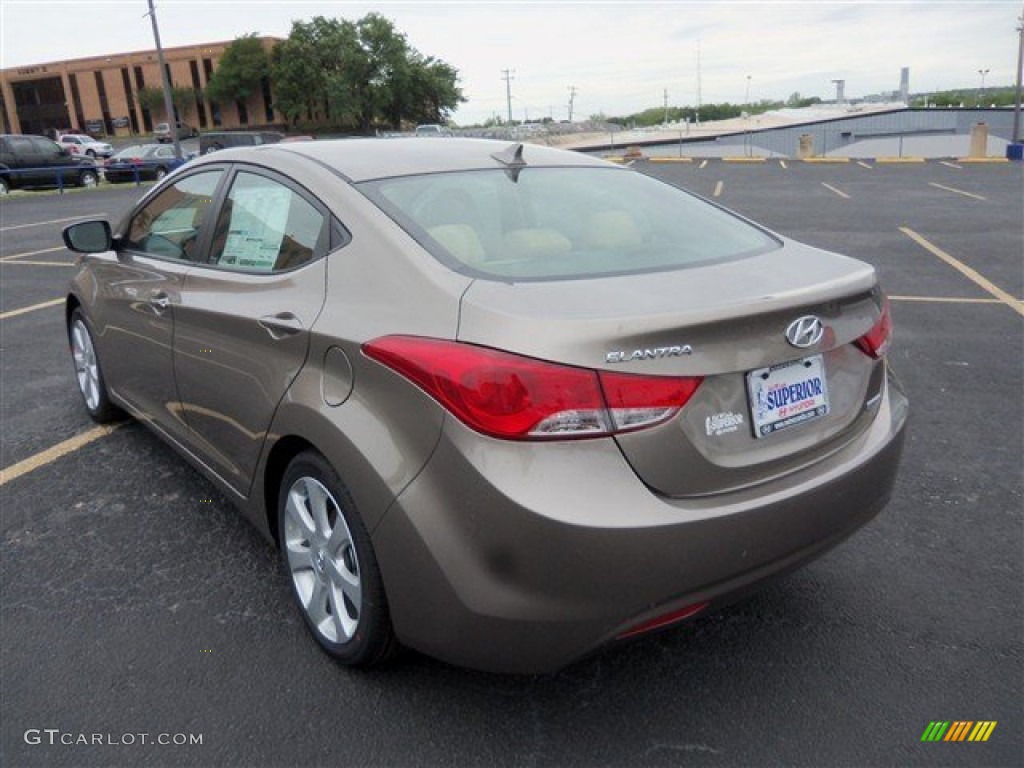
461, 241
613, 230
534, 243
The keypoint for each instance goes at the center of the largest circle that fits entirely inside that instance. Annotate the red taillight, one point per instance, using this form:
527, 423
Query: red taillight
875, 342
520, 398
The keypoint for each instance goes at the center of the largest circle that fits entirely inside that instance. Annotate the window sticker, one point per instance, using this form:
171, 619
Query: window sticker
258, 219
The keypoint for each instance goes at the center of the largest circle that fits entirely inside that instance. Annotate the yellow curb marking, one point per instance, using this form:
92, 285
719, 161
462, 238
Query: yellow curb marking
945, 300
39, 263
958, 191
50, 455
14, 256
966, 271
33, 308
54, 221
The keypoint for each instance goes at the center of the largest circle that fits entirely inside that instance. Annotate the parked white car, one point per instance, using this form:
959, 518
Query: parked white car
80, 144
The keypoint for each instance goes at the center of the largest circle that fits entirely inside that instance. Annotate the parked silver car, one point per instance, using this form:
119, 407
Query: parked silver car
502, 404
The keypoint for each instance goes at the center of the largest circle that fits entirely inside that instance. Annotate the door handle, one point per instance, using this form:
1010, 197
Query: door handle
281, 325
160, 301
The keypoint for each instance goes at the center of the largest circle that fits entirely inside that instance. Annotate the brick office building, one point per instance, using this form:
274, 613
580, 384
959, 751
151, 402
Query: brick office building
98, 95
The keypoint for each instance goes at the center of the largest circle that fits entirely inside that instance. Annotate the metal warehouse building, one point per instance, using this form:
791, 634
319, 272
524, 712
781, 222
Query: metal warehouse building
99, 94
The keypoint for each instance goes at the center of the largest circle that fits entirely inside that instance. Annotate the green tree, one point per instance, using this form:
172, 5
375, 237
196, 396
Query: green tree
240, 71
359, 74
183, 98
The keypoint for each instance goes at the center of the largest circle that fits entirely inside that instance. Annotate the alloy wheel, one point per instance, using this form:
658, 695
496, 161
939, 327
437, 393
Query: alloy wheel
322, 560
86, 368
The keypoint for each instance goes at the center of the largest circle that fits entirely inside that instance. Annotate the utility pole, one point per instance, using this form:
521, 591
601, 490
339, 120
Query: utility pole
697, 113
508, 75
172, 119
666, 106
572, 97
746, 98
1020, 69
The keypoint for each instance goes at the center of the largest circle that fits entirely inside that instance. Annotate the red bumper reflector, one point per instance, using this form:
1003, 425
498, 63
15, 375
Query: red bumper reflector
664, 620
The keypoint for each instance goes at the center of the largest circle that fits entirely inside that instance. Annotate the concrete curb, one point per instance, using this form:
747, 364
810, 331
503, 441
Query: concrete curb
670, 159
744, 159
826, 160
982, 160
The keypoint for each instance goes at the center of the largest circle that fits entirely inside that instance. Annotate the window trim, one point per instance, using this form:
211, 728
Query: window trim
202, 245
325, 242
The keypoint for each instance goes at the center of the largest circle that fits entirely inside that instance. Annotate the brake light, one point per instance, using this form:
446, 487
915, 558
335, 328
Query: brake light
875, 342
520, 398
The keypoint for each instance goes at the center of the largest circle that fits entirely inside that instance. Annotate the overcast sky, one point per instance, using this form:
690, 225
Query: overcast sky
620, 56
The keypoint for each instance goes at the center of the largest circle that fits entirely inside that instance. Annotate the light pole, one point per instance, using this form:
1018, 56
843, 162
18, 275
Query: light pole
1020, 71
982, 72
172, 119
746, 98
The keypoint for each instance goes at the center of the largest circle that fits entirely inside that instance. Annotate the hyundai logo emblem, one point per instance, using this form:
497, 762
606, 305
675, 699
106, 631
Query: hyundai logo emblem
805, 331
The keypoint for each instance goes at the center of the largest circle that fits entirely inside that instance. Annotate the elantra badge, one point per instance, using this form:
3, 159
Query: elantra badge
805, 331
621, 356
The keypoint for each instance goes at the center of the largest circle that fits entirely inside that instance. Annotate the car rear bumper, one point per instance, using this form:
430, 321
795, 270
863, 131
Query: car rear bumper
522, 557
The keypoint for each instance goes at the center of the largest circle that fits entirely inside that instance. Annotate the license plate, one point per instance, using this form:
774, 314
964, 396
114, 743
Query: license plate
787, 395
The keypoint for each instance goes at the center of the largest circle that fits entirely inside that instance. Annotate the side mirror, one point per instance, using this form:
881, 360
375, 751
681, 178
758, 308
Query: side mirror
88, 237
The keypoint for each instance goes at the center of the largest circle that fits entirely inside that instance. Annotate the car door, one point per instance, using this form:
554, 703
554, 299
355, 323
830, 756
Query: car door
138, 288
242, 325
52, 160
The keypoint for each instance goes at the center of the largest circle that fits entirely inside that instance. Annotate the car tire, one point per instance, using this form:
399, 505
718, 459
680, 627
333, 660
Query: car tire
160, 173
88, 374
329, 558
88, 179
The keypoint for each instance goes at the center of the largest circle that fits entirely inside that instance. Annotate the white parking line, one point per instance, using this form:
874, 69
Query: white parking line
833, 189
783, 163
958, 191
704, 163
862, 164
52, 454
33, 308
718, 189
14, 256
951, 165
53, 221
970, 274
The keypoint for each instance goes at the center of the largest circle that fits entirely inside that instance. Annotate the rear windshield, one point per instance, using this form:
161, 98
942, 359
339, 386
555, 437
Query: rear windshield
558, 223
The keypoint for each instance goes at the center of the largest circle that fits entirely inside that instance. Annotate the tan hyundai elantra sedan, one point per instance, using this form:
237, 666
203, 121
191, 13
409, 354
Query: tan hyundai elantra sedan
505, 405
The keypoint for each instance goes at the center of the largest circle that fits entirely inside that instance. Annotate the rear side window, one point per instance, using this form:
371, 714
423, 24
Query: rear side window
562, 223
169, 225
265, 226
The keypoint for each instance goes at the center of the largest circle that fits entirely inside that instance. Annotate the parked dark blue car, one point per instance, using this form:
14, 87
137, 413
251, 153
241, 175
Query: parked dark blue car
140, 162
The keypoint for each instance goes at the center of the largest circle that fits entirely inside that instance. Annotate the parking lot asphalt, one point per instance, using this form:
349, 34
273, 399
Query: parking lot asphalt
136, 600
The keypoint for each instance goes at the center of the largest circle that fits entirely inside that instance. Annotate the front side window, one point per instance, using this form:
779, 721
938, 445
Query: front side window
169, 225
562, 223
45, 147
265, 226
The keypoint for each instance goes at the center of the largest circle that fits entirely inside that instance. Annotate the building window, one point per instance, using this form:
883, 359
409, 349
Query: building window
200, 109
147, 118
129, 98
76, 101
104, 104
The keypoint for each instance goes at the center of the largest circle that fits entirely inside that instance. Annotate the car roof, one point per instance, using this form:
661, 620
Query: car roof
365, 159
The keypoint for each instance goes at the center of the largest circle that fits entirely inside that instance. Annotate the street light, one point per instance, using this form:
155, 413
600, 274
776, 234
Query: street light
983, 72
746, 99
